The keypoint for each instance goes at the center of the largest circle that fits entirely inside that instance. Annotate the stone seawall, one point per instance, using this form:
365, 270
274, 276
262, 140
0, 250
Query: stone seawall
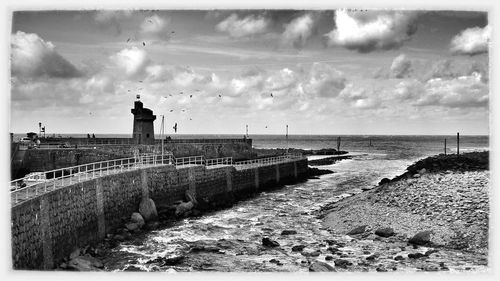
46, 229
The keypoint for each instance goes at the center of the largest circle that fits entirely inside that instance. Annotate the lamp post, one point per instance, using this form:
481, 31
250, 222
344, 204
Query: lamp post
286, 138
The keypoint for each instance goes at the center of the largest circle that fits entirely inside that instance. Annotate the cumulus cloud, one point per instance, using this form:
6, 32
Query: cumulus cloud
248, 26
132, 61
324, 81
372, 30
471, 41
33, 57
400, 67
464, 91
282, 79
298, 30
111, 19
154, 28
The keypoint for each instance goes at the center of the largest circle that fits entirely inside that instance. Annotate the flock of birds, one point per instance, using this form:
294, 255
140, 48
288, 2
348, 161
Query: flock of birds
180, 93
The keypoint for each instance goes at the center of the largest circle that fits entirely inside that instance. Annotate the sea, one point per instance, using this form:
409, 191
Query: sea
292, 207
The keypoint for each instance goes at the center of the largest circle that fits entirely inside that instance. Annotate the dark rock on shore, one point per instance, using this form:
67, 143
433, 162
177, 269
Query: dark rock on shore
384, 232
471, 161
415, 255
312, 172
298, 248
359, 230
269, 243
422, 238
327, 161
342, 263
288, 232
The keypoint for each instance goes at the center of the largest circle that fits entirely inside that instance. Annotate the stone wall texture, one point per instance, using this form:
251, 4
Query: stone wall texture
48, 228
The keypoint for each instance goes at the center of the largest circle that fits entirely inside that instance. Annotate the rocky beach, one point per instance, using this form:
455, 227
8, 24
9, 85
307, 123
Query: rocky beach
432, 217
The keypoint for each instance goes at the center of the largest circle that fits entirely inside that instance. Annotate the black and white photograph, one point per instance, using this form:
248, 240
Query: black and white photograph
293, 139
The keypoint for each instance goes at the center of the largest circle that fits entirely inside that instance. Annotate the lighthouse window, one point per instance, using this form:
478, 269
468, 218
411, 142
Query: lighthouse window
147, 136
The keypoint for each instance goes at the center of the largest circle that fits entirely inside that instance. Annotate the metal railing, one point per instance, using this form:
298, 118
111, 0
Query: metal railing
219, 161
269, 161
30, 186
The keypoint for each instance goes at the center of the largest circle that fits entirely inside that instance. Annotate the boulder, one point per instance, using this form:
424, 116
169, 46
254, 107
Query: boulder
132, 226
269, 243
288, 232
422, 171
85, 263
318, 266
359, 230
415, 255
421, 238
147, 209
384, 181
138, 219
342, 263
384, 232
298, 248
74, 254
183, 208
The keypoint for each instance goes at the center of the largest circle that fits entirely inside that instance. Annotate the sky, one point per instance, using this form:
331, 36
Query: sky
333, 72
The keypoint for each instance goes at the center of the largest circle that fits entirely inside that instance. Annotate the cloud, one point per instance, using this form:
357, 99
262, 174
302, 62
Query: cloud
471, 41
282, 79
132, 61
461, 92
111, 19
248, 26
324, 81
298, 30
372, 30
400, 67
31, 56
154, 28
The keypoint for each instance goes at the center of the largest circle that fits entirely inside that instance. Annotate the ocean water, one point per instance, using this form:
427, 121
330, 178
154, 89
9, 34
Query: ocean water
292, 207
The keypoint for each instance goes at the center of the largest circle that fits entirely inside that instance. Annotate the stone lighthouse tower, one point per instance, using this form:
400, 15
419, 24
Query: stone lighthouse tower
143, 124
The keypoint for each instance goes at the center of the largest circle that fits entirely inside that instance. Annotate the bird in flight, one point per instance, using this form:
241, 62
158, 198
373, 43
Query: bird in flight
190, 96
272, 95
140, 81
190, 119
143, 44
171, 110
220, 96
128, 40
266, 127
175, 127
150, 21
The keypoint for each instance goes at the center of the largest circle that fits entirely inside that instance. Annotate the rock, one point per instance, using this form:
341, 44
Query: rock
342, 263
381, 269
359, 230
384, 232
399, 258
119, 237
333, 250
416, 175
421, 238
329, 258
269, 243
384, 181
298, 248
318, 266
288, 232
147, 209
138, 219
85, 263
415, 255
422, 171
74, 254
132, 226
133, 268
431, 267
372, 257
152, 225
183, 208
429, 252
172, 260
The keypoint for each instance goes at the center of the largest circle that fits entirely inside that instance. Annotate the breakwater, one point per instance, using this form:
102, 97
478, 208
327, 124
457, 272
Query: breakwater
47, 228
